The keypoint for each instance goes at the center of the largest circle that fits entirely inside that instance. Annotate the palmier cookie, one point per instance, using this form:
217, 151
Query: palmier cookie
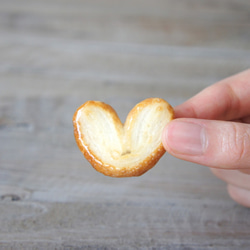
122, 150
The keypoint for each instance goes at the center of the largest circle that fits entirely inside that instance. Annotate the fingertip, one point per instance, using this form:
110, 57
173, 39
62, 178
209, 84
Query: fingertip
245, 171
239, 195
183, 137
164, 137
219, 173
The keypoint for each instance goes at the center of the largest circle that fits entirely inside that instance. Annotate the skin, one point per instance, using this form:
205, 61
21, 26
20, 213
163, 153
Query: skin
213, 129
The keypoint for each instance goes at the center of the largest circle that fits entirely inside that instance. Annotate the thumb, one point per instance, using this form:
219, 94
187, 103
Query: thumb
217, 144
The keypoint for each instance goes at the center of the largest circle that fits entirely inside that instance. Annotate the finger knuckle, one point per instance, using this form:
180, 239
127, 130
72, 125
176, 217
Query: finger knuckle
240, 144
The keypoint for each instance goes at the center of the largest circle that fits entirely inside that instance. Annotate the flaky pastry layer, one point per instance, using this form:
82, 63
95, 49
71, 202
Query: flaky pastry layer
122, 150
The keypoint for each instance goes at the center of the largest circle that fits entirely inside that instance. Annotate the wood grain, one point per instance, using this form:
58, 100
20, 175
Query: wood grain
54, 56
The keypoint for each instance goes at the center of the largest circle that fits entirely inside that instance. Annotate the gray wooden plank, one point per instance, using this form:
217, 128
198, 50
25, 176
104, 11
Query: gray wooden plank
60, 65
185, 23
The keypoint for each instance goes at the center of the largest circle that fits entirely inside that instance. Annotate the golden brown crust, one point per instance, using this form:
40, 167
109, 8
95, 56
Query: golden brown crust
106, 168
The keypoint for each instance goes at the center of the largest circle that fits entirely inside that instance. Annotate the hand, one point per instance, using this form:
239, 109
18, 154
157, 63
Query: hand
213, 129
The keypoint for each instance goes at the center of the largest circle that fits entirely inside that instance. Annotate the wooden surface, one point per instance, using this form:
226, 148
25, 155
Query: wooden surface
54, 56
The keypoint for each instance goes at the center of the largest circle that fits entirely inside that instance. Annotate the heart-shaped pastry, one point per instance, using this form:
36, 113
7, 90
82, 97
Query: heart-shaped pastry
119, 150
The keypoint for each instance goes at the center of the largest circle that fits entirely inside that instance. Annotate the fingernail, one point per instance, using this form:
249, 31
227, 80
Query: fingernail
187, 138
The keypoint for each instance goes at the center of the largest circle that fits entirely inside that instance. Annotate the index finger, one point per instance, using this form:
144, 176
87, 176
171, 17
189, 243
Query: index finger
228, 99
